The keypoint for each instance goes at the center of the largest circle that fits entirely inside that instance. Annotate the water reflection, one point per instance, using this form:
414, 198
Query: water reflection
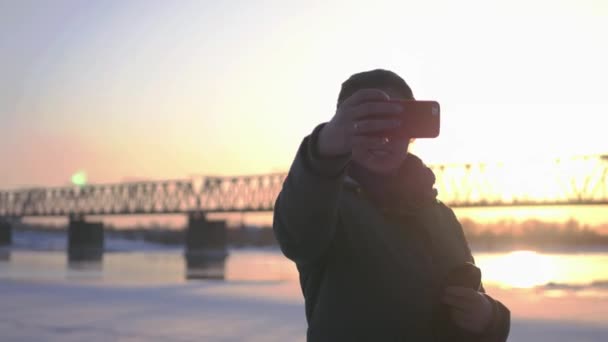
201, 266
5, 254
91, 265
86, 261
528, 269
84, 257
520, 269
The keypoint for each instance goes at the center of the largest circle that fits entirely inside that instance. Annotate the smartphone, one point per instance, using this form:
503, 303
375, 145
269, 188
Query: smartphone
420, 119
467, 275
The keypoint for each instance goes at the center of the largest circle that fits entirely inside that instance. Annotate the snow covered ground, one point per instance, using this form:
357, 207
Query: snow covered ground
200, 311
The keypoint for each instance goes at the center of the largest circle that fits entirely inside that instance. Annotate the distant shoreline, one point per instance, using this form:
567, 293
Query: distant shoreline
502, 236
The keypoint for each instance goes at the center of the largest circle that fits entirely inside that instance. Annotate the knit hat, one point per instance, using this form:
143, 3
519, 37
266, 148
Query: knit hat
377, 78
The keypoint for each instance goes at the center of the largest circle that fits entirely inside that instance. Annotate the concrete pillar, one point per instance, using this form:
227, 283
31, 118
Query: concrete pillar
6, 233
206, 248
85, 240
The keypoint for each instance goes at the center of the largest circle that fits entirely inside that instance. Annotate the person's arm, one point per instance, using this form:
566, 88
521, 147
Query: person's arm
305, 212
499, 325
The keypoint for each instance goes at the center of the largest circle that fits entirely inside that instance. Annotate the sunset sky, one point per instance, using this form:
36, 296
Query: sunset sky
130, 90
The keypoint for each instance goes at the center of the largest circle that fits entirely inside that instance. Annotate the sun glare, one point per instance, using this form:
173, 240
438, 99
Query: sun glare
518, 269
534, 180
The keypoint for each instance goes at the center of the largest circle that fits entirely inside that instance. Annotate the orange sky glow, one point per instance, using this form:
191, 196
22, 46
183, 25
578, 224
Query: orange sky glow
137, 91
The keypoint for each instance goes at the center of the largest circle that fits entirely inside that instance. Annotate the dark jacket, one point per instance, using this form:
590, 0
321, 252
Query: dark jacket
367, 275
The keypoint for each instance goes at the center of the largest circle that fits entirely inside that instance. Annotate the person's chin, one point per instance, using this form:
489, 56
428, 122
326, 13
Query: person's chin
382, 164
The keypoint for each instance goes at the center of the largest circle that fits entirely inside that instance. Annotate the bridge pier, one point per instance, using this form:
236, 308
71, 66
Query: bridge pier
206, 248
85, 240
6, 233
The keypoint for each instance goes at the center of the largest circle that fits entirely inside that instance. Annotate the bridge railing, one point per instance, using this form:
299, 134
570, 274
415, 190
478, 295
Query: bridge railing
580, 180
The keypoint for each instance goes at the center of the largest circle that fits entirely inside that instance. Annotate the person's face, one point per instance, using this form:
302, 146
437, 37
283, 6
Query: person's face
383, 158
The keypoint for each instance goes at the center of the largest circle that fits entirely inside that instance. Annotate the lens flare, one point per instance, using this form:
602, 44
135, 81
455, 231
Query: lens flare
79, 178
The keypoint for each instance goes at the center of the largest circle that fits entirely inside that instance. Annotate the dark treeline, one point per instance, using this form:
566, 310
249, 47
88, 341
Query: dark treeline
237, 236
533, 233
247, 236
505, 234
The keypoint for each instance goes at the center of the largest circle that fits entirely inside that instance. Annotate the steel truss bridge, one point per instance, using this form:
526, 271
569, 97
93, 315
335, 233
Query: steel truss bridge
573, 181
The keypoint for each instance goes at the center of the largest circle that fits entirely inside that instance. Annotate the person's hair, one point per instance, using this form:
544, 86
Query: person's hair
377, 78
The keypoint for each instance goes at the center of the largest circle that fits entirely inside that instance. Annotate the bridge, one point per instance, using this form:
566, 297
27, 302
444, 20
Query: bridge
573, 181
579, 180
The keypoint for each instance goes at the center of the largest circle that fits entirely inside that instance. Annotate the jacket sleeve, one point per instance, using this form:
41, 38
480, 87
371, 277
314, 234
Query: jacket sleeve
500, 324
306, 209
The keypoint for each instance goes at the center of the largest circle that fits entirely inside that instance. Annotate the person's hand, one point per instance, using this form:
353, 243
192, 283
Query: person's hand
349, 126
470, 310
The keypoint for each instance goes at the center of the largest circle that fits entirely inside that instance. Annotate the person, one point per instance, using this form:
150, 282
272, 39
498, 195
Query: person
359, 216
